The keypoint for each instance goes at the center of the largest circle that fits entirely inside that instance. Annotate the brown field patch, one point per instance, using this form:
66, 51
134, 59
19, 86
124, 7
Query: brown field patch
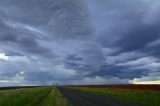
124, 86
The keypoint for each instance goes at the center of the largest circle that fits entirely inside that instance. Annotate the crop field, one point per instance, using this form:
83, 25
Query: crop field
88, 95
123, 86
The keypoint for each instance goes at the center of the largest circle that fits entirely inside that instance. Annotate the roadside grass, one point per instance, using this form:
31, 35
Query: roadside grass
24, 97
60, 100
50, 99
144, 97
39, 96
54, 98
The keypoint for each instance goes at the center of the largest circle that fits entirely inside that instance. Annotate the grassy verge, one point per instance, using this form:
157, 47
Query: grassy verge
40, 96
146, 97
54, 98
60, 99
50, 99
23, 97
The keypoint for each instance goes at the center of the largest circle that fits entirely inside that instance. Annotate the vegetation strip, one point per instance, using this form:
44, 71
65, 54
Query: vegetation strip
22, 97
147, 97
38, 96
50, 99
61, 100
41, 98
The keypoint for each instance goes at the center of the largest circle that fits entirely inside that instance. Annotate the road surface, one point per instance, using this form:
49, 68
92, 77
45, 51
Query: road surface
80, 98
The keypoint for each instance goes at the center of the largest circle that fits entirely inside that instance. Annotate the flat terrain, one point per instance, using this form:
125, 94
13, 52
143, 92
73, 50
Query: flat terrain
88, 95
80, 98
37, 96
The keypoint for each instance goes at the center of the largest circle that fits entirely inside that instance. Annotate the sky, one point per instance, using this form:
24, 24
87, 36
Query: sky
79, 42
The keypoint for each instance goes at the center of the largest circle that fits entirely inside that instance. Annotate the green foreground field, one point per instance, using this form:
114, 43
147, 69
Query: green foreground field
39, 96
51, 96
144, 97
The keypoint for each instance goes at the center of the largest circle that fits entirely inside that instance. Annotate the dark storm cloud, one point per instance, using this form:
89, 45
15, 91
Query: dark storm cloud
153, 48
66, 20
42, 76
28, 29
139, 38
127, 25
55, 18
74, 57
88, 59
58, 18
23, 39
122, 72
128, 31
79, 40
71, 19
26, 43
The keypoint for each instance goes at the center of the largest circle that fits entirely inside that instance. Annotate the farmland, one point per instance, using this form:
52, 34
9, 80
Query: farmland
123, 86
81, 95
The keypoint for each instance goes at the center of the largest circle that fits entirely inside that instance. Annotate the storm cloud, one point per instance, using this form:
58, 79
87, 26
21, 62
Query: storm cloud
79, 41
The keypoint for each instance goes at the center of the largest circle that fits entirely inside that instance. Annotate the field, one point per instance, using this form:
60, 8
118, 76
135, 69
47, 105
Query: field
123, 86
84, 95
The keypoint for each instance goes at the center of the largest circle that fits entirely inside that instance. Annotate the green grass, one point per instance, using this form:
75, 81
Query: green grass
50, 99
39, 96
23, 97
144, 97
55, 98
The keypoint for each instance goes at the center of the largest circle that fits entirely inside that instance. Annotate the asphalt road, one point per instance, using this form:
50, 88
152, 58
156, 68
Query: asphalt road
79, 98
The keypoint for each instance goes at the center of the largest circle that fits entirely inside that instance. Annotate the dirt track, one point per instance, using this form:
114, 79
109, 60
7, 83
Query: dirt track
79, 98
